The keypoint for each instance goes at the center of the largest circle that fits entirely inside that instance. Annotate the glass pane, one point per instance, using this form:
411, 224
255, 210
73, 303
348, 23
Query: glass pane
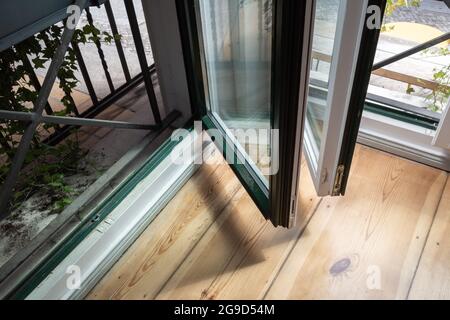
237, 46
325, 25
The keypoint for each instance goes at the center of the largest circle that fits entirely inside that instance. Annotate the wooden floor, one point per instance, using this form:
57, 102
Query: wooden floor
388, 238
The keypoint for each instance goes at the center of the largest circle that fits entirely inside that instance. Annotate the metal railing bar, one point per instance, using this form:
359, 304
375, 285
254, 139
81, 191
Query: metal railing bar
17, 115
75, 121
44, 93
411, 51
115, 31
96, 109
101, 53
142, 59
84, 72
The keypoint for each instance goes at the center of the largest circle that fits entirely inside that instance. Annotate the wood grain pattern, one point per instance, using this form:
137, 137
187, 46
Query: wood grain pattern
432, 280
241, 253
211, 242
158, 252
365, 245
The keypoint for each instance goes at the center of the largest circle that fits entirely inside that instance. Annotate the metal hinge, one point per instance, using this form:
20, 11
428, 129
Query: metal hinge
338, 180
293, 215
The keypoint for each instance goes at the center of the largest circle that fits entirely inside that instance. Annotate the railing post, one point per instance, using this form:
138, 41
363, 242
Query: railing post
115, 31
100, 53
142, 59
84, 73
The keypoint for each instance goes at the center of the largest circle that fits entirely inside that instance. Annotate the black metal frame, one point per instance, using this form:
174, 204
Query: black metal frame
191, 53
288, 54
67, 124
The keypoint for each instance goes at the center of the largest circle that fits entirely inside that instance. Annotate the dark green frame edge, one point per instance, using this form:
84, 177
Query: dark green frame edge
400, 114
94, 219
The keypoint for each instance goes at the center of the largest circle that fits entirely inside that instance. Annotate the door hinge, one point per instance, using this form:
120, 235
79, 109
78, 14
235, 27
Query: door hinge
338, 180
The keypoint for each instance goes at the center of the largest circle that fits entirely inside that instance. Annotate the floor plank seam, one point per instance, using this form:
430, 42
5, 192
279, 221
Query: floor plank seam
196, 244
277, 272
426, 240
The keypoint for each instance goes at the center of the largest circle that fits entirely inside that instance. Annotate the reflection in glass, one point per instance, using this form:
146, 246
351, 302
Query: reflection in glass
325, 24
237, 45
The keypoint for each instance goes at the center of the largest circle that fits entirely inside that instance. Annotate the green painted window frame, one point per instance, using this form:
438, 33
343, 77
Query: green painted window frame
251, 181
391, 111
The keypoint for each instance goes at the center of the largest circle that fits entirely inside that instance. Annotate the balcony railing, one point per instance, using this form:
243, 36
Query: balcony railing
86, 117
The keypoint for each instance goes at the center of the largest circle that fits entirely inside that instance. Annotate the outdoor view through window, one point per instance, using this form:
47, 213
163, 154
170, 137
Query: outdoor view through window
237, 44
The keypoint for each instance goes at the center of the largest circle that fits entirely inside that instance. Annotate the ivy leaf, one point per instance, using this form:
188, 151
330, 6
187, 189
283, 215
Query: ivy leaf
410, 89
38, 62
55, 184
439, 75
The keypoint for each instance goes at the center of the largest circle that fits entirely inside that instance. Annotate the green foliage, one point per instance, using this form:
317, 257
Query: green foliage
438, 98
393, 5
45, 167
48, 167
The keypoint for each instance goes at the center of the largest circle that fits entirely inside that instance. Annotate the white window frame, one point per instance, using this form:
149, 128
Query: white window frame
344, 60
403, 139
442, 137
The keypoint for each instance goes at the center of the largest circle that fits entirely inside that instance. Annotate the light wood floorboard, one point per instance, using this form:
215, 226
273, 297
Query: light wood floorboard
156, 255
241, 253
367, 244
432, 280
211, 242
